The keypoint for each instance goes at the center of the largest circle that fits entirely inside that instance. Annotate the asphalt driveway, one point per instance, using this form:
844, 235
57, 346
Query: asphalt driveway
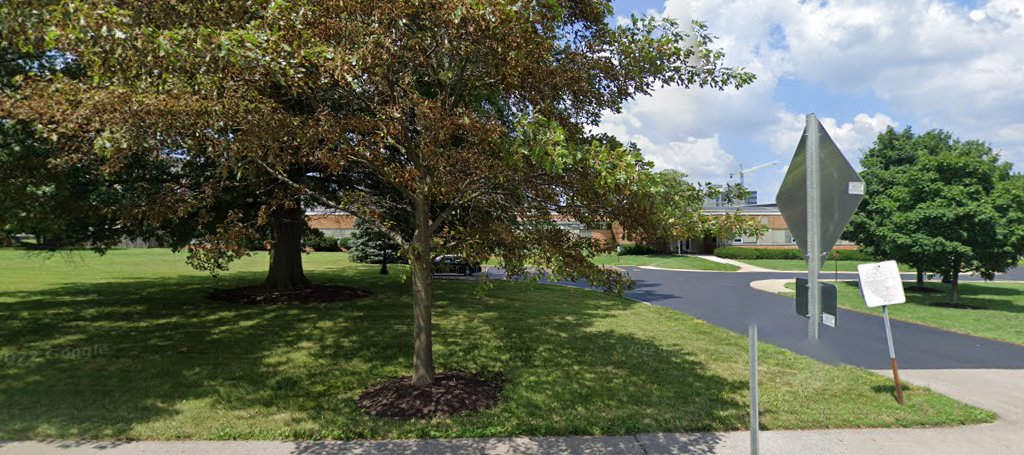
726, 299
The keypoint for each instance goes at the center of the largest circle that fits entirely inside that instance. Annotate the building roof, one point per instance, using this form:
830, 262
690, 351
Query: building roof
324, 211
759, 209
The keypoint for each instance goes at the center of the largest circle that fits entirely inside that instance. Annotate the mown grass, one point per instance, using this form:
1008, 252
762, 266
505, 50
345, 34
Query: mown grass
126, 346
800, 265
997, 309
665, 261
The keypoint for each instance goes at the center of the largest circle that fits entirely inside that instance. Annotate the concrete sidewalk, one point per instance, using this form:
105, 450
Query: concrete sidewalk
998, 390
743, 266
772, 286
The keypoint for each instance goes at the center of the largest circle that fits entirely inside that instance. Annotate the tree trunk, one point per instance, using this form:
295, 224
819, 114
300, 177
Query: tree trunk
422, 299
285, 274
954, 290
920, 277
384, 262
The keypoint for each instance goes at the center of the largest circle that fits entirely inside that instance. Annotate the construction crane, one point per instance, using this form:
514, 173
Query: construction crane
743, 172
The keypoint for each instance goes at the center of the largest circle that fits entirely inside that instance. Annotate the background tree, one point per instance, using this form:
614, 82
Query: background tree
373, 245
56, 207
941, 205
455, 126
885, 168
117, 154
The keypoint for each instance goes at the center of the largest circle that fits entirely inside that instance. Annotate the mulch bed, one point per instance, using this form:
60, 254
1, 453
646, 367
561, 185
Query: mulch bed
259, 295
924, 290
451, 393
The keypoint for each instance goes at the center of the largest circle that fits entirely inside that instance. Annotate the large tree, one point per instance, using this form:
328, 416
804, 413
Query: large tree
884, 171
941, 205
455, 126
122, 151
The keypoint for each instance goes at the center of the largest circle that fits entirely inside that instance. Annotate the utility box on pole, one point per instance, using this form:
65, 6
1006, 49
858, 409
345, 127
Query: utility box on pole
817, 198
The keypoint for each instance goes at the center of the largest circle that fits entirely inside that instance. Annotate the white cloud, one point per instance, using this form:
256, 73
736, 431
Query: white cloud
702, 159
851, 137
936, 63
673, 113
857, 136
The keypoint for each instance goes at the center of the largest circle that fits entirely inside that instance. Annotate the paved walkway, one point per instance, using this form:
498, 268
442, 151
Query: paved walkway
773, 286
743, 266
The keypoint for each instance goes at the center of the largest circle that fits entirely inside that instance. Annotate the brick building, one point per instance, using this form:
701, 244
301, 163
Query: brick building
777, 234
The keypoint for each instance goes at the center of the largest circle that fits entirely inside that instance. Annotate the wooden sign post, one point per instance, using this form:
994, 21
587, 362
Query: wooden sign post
881, 285
892, 355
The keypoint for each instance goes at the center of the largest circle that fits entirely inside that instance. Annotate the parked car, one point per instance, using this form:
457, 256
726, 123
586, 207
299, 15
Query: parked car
451, 263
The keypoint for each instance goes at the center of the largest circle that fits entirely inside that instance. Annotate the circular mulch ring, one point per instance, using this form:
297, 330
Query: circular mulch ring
924, 290
451, 393
259, 295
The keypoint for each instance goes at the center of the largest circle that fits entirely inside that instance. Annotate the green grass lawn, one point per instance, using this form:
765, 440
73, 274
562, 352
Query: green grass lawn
999, 312
126, 346
665, 261
798, 264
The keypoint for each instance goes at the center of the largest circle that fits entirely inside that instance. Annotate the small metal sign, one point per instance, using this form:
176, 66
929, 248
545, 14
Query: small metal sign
880, 284
829, 306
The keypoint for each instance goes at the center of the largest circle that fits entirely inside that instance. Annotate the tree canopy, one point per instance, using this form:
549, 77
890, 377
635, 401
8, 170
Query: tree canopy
56, 206
940, 204
455, 126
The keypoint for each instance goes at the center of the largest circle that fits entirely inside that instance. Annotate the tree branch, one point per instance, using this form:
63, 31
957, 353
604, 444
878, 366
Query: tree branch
327, 202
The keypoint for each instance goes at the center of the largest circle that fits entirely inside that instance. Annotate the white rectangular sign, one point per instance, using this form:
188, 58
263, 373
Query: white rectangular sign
880, 284
828, 319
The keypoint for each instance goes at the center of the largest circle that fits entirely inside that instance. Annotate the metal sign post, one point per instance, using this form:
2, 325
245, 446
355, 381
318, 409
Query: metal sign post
754, 393
813, 227
817, 198
881, 285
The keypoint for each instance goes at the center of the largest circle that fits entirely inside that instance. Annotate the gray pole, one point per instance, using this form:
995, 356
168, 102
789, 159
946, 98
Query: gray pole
813, 228
755, 396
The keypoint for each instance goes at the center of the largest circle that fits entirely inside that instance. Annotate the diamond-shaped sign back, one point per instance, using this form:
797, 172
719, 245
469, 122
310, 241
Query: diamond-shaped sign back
840, 188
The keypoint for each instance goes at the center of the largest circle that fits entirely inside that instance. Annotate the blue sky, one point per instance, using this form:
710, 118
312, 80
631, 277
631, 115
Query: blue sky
859, 65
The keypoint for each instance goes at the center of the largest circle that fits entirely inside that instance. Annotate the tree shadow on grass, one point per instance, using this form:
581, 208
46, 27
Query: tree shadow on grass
98, 359
151, 358
971, 303
890, 389
554, 355
972, 295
